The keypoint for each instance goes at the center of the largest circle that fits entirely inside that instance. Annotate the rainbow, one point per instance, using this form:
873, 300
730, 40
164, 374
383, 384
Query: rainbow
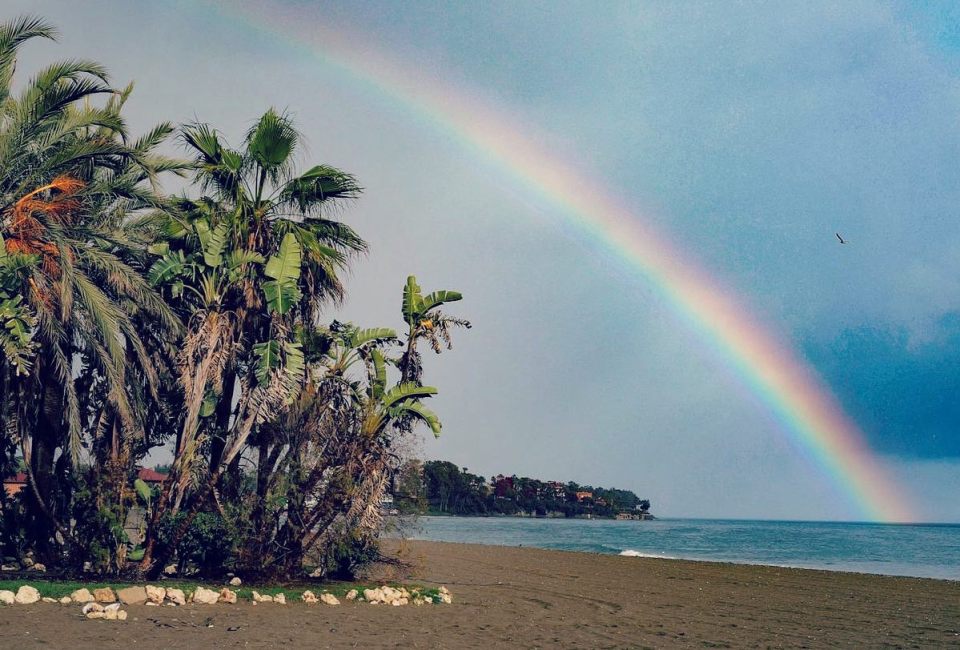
806, 411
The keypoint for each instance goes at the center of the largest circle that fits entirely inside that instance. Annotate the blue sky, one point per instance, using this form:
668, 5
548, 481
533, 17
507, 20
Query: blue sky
748, 132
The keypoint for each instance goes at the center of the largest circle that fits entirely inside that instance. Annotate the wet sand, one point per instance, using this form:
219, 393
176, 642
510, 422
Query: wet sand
529, 598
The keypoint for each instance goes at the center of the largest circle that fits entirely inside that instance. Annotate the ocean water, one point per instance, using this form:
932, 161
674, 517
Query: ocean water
921, 550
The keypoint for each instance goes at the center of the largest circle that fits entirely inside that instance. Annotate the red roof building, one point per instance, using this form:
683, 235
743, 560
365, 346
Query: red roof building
13, 484
148, 475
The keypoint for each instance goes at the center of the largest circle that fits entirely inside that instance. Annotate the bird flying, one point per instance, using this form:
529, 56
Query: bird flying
842, 241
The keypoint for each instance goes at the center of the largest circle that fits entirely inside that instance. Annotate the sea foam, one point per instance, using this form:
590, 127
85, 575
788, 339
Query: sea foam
632, 553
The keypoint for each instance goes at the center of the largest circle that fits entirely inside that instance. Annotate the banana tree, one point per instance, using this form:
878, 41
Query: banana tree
327, 460
379, 416
425, 321
211, 281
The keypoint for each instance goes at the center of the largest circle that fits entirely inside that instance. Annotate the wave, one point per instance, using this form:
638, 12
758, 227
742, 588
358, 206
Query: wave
632, 553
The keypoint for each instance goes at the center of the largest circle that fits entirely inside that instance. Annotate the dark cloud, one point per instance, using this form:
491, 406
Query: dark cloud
904, 393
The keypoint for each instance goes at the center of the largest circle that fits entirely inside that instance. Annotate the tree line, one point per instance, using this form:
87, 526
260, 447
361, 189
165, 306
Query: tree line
440, 487
133, 320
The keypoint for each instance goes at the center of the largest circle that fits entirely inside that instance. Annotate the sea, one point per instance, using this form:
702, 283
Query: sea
921, 550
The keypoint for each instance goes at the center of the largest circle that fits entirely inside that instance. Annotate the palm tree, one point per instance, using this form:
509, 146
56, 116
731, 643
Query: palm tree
265, 199
68, 179
249, 264
262, 203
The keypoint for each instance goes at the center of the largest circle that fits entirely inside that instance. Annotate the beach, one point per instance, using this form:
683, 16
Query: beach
529, 598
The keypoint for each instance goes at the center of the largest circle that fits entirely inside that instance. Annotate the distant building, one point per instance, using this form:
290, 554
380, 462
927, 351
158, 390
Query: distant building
584, 495
151, 476
387, 505
558, 488
13, 484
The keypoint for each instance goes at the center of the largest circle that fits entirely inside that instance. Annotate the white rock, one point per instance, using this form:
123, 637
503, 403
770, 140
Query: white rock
9, 567
352, 594
95, 615
121, 616
389, 593
112, 607
48, 599
308, 597
7, 597
280, 599
66, 600
261, 598
135, 595
317, 573
26, 595
372, 595
91, 607
176, 596
82, 596
205, 596
235, 582
329, 599
155, 594
28, 561
227, 596
104, 595
170, 570
39, 567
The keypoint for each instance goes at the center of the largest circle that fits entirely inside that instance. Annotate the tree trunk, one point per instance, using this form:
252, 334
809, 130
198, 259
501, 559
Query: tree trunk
40, 504
293, 534
223, 415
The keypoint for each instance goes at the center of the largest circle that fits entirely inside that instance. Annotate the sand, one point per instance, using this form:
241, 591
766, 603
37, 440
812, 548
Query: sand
529, 598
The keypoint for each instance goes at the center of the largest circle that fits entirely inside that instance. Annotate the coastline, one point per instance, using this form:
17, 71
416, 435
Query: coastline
920, 551
553, 514
526, 597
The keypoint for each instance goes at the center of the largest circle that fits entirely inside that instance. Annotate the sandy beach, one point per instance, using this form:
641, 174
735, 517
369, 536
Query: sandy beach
530, 598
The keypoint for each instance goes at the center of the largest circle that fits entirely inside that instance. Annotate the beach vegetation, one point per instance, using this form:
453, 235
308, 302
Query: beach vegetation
140, 324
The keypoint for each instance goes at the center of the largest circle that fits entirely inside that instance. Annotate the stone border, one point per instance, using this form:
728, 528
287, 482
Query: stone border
104, 602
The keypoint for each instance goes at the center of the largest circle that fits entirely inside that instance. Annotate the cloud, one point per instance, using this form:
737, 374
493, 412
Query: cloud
901, 389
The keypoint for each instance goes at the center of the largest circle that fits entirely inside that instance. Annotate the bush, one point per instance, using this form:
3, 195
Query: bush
342, 559
208, 544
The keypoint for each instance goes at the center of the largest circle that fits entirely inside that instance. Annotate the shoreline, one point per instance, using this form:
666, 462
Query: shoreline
527, 597
845, 548
629, 554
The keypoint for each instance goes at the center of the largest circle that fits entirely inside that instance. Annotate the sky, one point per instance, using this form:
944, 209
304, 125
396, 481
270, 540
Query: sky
748, 134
